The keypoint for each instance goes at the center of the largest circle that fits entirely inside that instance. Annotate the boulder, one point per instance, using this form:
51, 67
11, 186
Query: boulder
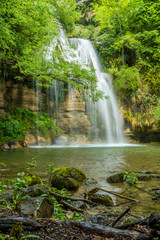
116, 178
35, 190
102, 199
71, 172
60, 182
67, 177
32, 180
37, 207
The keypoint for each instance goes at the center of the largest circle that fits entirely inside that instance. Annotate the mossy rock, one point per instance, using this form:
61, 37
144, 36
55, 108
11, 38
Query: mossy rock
102, 199
35, 190
60, 182
71, 172
32, 180
116, 178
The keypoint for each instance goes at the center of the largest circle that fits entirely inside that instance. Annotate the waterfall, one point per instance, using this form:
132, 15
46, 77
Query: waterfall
104, 116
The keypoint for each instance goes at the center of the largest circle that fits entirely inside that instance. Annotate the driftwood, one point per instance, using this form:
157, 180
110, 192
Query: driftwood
119, 217
104, 231
8, 222
116, 194
56, 195
71, 206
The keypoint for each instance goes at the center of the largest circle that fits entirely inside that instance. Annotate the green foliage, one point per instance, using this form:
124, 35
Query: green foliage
50, 168
130, 177
127, 79
10, 129
28, 31
156, 114
20, 121
129, 42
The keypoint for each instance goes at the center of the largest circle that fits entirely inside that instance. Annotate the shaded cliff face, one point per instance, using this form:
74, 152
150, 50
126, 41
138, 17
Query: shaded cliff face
16, 95
72, 116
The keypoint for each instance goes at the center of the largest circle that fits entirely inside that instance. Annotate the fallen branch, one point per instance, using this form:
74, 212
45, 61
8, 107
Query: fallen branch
71, 206
105, 231
116, 194
56, 195
119, 217
8, 222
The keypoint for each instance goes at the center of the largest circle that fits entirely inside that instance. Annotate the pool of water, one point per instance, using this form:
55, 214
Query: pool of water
98, 161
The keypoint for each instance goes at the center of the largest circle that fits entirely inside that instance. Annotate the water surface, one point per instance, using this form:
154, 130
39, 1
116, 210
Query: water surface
97, 162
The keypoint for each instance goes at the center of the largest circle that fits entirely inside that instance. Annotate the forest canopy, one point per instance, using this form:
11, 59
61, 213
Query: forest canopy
27, 31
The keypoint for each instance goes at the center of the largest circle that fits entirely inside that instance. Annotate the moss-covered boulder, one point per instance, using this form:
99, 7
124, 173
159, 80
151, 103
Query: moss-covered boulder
32, 180
60, 182
102, 199
71, 172
67, 177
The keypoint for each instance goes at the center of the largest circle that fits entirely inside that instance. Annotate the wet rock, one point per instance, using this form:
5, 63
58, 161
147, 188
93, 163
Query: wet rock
99, 198
91, 182
61, 140
116, 178
35, 190
60, 182
37, 207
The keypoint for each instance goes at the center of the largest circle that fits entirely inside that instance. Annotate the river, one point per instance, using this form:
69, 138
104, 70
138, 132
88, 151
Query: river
97, 162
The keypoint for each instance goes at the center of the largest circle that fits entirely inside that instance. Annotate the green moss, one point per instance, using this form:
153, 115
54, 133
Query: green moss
32, 180
71, 172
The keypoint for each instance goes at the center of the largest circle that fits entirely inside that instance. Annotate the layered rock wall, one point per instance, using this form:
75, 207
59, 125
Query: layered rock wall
17, 95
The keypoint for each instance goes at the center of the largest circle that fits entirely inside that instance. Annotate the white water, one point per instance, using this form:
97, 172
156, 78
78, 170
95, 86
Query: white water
105, 117
105, 113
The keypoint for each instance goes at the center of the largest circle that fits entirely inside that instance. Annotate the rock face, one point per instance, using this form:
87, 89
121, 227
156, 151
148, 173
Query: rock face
67, 177
37, 207
72, 116
16, 95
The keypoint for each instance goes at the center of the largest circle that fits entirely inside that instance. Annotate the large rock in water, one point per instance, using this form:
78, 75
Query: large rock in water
37, 207
67, 177
102, 199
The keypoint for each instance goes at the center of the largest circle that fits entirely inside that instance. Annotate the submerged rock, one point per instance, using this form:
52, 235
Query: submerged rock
37, 207
116, 178
67, 177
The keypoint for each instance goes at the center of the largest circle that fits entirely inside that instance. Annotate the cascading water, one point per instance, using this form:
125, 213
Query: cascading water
104, 114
